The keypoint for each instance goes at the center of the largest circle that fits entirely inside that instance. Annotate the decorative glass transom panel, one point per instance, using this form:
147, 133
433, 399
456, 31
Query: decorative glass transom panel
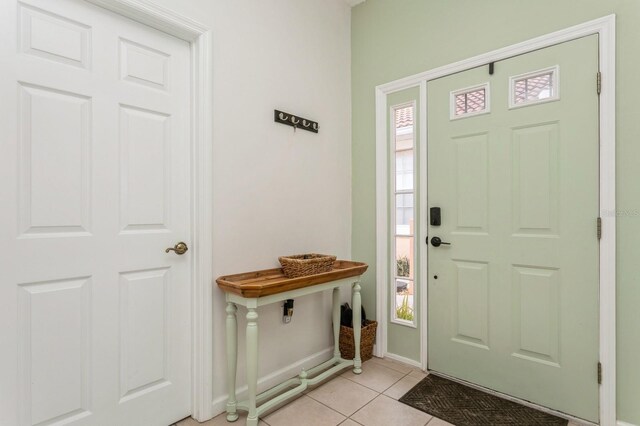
535, 87
470, 101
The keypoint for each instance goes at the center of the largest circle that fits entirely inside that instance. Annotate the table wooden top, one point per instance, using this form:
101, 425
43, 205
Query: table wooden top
272, 281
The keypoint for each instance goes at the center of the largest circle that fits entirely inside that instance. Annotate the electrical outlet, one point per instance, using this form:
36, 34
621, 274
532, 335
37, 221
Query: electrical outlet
287, 311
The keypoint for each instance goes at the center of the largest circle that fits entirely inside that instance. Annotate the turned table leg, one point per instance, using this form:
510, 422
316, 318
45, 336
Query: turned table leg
356, 304
232, 361
336, 322
252, 364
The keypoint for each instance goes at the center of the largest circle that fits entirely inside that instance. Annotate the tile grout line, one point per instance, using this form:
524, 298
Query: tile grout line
431, 417
332, 409
363, 407
353, 420
369, 402
385, 389
391, 368
312, 398
404, 375
377, 396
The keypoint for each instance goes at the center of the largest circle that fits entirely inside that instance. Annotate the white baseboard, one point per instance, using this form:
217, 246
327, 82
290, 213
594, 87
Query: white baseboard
625, 423
275, 378
403, 360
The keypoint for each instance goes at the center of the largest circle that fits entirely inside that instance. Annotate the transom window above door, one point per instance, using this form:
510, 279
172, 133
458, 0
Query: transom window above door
469, 101
534, 87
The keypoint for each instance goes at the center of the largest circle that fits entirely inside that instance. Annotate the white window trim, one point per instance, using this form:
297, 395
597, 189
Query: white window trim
555, 87
392, 208
487, 101
605, 28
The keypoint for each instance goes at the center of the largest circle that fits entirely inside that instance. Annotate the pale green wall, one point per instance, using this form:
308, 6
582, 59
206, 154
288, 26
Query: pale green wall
395, 38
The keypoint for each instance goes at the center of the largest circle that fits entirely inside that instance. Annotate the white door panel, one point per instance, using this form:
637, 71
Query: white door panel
95, 316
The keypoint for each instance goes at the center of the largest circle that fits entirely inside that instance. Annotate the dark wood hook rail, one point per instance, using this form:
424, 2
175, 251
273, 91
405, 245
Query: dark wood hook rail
295, 121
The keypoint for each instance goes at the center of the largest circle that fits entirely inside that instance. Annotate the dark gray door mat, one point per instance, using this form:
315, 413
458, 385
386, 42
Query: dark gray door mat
465, 406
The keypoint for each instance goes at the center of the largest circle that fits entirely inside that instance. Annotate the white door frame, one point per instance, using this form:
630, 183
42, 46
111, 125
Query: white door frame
605, 27
201, 239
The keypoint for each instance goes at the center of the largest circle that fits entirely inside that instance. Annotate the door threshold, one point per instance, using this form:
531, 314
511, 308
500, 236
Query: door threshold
575, 420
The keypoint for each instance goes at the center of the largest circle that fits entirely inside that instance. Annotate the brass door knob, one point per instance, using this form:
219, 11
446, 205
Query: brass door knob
180, 248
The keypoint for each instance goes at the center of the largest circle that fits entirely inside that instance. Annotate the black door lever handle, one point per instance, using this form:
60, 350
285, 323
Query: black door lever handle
437, 242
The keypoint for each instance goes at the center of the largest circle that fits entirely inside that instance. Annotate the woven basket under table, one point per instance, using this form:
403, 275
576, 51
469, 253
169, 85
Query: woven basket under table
367, 337
301, 265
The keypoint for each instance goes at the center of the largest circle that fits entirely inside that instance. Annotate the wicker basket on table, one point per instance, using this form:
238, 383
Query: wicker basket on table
301, 265
367, 338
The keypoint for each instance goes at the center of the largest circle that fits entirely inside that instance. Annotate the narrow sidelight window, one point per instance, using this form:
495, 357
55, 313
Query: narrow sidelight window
403, 213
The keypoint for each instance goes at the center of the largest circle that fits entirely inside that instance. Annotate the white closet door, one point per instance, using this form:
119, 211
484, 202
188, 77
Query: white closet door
95, 316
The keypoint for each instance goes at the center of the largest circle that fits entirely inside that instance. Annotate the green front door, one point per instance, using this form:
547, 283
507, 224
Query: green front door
513, 166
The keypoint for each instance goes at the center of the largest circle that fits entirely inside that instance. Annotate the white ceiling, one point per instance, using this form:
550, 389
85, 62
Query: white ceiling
353, 2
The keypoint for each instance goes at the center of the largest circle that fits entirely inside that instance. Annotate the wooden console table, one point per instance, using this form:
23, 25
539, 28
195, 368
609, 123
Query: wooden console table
254, 289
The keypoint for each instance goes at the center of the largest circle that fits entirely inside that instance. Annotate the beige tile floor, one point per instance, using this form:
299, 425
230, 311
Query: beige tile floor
368, 399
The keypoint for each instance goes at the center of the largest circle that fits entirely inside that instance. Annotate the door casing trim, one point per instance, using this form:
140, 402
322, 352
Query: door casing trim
605, 28
200, 39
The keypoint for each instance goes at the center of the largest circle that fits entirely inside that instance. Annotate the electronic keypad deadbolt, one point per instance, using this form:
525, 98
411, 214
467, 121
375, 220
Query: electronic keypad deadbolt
435, 218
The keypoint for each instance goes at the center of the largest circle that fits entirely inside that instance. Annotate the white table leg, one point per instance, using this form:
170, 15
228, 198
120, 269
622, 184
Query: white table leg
336, 322
252, 364
232, 361
356, 304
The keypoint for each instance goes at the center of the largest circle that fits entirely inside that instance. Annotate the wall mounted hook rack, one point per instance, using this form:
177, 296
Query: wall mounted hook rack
295, 121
